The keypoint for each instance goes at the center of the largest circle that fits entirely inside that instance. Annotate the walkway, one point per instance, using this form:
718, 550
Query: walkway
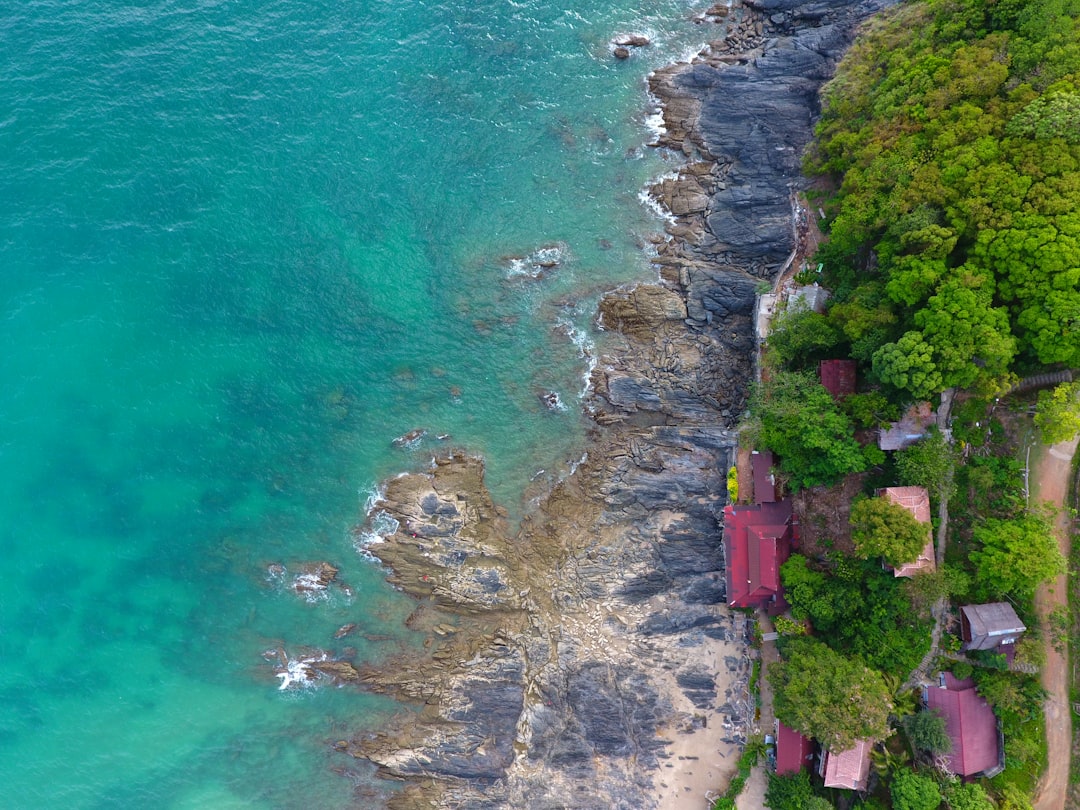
1050, 468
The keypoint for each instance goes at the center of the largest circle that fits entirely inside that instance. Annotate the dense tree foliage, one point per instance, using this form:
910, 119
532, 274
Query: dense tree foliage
829, 697
913, 791
881, 528
1016, 555
801, 337
858, 609
927, 587
953, 127
929, 463
793, 792
971, 796
926, 730
802, 424
1058, 413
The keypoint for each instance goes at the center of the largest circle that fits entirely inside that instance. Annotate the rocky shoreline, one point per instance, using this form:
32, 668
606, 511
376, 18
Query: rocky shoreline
589, 659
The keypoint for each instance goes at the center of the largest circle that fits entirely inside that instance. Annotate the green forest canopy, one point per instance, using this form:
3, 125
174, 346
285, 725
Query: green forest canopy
953, 128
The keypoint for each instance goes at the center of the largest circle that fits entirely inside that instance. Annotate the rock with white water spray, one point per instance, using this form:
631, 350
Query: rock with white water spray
410, 439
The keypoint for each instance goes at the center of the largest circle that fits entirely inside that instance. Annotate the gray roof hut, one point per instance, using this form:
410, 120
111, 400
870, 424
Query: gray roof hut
985, 627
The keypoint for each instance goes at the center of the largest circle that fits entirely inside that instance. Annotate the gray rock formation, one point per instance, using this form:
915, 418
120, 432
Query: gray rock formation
589, 649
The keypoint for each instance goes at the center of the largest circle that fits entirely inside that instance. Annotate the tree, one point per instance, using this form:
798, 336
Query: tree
1058, 413
858, 610
927, 587
881, 528
824, 695
1016, 555
913, 791
967, 797
801, 335
928, 463
802, 424
793, 792
908, 364
926, 730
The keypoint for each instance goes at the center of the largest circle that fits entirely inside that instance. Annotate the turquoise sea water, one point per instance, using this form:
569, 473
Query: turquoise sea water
244, 245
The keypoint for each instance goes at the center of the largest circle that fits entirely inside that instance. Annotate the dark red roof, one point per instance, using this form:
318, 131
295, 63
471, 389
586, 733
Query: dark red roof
972, 727
793, 750
757, 541
764, 482
838, 377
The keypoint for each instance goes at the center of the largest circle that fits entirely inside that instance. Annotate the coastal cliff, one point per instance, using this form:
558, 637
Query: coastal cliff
588, 659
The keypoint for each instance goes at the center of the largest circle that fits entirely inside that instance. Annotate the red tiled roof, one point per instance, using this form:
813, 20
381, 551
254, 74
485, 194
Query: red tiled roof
764, 481
971, 726
793, 750
849, 769
838, 377
757, 541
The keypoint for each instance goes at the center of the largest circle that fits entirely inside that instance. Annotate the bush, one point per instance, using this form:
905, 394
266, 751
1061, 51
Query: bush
962, 670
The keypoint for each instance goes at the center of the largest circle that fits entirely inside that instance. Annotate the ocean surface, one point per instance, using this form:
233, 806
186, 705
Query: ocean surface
243, 246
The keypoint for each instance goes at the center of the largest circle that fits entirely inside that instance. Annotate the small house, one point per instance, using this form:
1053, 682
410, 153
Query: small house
848, 770
972, 727
793, 750
987, 627
917, 501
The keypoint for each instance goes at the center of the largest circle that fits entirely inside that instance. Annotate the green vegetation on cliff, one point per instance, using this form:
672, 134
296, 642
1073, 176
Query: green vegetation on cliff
953, 130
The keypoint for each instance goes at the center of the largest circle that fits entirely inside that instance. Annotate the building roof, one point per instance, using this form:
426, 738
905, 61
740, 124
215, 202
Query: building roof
764, 480
838, 377
971, 726
812, 296
757, 541
917, 501
793, 750
908, 430
993, 619
849, 769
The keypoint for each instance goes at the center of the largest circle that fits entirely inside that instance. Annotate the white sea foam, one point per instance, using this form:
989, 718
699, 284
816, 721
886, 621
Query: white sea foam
586, 350
380, 525
654, 123
297, 673
537, 262
310, 587
654, 205
373, 496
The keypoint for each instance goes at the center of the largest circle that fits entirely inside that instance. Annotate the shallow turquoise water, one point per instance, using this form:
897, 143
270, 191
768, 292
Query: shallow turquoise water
244, 245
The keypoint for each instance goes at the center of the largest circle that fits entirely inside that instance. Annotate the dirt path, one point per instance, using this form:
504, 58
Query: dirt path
1049, 482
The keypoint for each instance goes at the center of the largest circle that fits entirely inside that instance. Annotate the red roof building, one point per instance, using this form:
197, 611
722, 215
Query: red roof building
838, 377
917, 501
757, 541
971, 726
793, 750
764, 480
848, 769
